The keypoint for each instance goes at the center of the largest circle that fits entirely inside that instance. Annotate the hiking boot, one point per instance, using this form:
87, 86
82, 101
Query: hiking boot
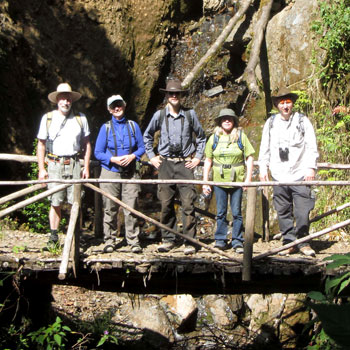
291, 250
307, 250
109, 248
221, 245
136, 249
190, 249
53, 239
238, 249
166, 247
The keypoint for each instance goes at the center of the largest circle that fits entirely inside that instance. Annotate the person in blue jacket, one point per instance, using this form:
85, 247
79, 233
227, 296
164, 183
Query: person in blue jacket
118, 146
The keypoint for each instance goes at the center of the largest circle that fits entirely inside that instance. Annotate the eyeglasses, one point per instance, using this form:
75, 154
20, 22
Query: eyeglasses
285, 100
114, 105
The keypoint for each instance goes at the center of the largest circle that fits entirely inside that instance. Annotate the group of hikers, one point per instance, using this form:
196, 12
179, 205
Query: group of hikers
288, 152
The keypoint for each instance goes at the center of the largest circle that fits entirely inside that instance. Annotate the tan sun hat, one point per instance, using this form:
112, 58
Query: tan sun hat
173, 85
61, 88
283, 93
227, 112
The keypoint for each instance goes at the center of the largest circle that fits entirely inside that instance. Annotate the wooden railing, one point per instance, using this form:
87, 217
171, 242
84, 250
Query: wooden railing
71, 245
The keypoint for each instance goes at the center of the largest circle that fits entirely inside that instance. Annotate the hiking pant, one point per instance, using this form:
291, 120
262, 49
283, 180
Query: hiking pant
222, 195
127, 193
166, 194
293, 203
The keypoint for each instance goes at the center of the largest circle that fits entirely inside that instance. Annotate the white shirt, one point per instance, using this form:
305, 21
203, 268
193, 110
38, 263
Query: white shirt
66, 135
287, 134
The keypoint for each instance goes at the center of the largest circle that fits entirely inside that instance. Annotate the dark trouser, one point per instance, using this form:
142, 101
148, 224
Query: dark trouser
166, 194
293, 203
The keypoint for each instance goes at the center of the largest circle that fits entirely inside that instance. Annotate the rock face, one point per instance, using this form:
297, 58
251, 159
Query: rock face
207, 322
290, 43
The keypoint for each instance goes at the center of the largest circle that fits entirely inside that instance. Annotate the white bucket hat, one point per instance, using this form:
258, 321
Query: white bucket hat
61, 88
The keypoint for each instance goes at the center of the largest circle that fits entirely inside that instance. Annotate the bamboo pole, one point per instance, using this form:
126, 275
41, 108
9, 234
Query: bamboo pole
249, 234
32, 200
335, 210
244, 5
20, 193
195, 182
162, 226
303, 240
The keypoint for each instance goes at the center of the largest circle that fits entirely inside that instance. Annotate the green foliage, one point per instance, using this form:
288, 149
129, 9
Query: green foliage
51, 337
37, 213
107, 338
334, 31
334, 316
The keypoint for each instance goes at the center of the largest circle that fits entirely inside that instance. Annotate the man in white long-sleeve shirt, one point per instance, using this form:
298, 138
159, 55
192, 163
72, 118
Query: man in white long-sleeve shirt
289, 150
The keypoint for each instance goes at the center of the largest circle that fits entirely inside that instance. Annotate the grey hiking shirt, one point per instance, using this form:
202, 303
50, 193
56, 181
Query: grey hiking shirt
180, 133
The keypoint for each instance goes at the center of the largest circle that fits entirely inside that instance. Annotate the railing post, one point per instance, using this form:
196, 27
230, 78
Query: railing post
98, 208
71, 242
265, 213
249, 234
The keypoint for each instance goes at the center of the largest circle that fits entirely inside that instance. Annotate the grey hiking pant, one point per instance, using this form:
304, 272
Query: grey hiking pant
127, 193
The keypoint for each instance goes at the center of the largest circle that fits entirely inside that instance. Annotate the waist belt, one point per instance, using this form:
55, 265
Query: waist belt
228, 166
177, 159
66, 160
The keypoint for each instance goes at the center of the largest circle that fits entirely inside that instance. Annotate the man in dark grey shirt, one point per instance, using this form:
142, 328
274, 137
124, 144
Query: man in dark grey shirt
178, 155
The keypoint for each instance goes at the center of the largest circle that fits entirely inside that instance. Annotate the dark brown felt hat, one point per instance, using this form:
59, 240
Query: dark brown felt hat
173, 86
283, 93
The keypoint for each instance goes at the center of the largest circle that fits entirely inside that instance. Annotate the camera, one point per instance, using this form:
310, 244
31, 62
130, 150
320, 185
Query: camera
49, 146
284, 154
175, 150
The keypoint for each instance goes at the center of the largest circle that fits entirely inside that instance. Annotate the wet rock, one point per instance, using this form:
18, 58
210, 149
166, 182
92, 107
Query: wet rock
214, 91
182, 310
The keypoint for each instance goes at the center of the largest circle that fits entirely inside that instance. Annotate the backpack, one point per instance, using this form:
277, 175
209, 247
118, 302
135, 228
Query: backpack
49, 120
239, 141
301, 127
131, 124
49, 143
187, 115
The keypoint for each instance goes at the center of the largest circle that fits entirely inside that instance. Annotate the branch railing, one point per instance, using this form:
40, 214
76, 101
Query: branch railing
71, 245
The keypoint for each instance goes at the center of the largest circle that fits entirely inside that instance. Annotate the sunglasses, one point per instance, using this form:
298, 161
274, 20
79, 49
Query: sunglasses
174, 93
285, 100
114, 105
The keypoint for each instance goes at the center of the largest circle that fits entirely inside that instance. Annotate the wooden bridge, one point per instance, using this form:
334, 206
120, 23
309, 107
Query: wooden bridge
209, 271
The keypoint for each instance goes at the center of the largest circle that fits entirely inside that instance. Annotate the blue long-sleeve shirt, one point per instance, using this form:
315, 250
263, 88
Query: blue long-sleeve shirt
105, 146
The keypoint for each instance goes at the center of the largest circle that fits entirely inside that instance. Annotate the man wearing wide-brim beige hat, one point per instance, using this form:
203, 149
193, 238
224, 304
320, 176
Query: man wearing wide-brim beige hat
289, 151
179, 153
63, 135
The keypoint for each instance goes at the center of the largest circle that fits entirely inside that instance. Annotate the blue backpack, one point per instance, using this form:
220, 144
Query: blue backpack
239, 141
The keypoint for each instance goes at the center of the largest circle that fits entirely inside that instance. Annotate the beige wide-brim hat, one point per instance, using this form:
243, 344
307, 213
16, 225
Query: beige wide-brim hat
227, 112
283, 93
173, 86
61, 88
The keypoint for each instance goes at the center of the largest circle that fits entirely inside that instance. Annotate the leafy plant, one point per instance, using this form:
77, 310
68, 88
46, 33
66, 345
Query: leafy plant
334, 31
107, 338
51, 337
333, 314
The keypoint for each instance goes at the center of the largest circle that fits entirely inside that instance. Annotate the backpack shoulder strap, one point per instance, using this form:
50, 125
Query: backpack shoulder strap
48, 122
161, 117
78, 118
215, 142
188, 116
239, 141
132, 126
